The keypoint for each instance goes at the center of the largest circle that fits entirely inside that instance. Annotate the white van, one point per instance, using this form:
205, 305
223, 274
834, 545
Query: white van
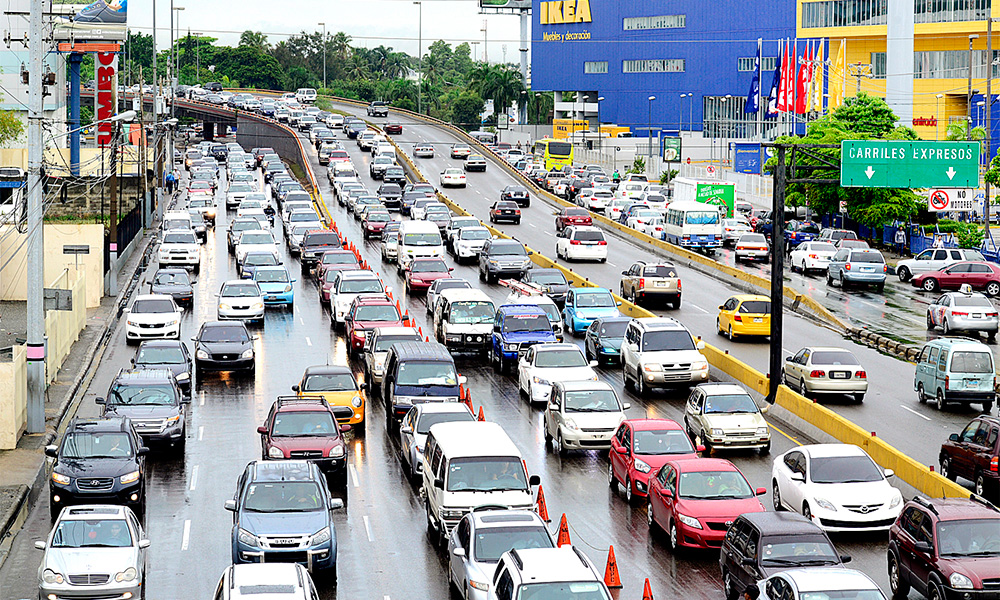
177, 220
469, 464
305, 95
341, 170
418, 239
463, 319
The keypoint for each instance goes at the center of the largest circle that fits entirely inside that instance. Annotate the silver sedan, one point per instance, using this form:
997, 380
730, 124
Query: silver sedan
963, 311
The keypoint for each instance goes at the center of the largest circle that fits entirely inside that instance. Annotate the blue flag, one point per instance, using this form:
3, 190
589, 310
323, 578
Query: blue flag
772, 98
753, 97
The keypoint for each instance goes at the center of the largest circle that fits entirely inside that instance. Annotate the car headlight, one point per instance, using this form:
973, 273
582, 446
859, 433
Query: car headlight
201, 354
257, 306
173, 419
356, 401
130, 477
248, 353
699, 365
651, 367
570, 424
128, 574
826, 504
337, 452
60, 478
479, 585
320, 537
50, 576
761, 431
540, 381
494, 263
183, 376
959, 581
510, 347
275, 452
689, 521
224, 306
896, 500
173, 321
641, 466
288, 288
247, 538
716, 432
132, 324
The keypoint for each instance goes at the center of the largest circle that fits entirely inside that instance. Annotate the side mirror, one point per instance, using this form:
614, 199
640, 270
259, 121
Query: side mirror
295, 387
748, 562
439, 483
700, 448
462, 380
186, 400
40, 545
363, 385
923, 547
624, 272
180, 309
142, 450
621, 449
889, 473
230, 505
788, 359
626, 405
336, 503
953, 437
459, 552
669, 493
262, 430
345, 428
530, 252
593, 363
450, 269
143, 544
798, 477
534, 480
100, 400
51, 451
845, 558
406, 429
700, 345
761, 491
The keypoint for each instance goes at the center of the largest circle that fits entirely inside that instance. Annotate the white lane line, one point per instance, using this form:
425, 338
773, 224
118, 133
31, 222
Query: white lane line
186, 537
368, 529
532, 225
354, 475
194, 478
201, 401
696, 307
301, 322
201, 432
308, 341
548, 233
904, 407
385, 597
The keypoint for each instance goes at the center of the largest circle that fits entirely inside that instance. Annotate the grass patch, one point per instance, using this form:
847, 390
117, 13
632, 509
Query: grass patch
78, 219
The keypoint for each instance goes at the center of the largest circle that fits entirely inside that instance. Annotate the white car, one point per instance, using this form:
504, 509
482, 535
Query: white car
347, 286
469, 242
616, 206
837, 486
582, 415
654, 228
752, 246
179, 248
812, 583
642, 216
242, 300
416, 424
595, 199
812, 256
335, 121
300, 218
452, 177
732, 229
237, 192
153, 317
423, 151
246, 205
582, 242
544, 363
255, 240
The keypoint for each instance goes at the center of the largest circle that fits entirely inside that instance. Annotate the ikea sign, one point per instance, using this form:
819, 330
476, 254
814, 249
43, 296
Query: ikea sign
564, 11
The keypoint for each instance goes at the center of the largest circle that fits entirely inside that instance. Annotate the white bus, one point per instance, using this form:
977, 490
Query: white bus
694, 225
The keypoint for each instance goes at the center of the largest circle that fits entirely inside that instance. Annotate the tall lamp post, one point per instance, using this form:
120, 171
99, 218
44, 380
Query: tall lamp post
649, 130
600, 137
197, 57
324, 53
968, 103
177, 53
420, 56
937, 125
680, 115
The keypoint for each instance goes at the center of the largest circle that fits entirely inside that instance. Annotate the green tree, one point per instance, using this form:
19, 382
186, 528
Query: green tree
299, 77
254, 39
251, 67
11, 127
466, 109
959, 130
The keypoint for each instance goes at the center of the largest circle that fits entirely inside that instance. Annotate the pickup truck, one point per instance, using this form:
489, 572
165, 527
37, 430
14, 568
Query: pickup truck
378, 109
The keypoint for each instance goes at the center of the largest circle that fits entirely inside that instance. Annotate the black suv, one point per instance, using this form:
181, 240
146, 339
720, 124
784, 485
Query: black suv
394, 175
98, 461
503, 258
220, 152
759, 545
946, 549
516, 193
153, 401
314, 243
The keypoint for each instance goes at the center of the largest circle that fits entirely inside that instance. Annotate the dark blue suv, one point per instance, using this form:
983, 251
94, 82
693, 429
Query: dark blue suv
281, 513
516, 328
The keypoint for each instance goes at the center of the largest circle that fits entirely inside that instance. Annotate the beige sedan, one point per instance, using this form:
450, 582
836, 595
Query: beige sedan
814, 371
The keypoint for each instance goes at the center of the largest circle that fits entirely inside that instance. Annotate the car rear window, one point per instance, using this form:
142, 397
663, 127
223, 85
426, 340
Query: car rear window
756, 307
970, 361
659, 271
589, 236
834, 358
972, 301
867, 257
322, 239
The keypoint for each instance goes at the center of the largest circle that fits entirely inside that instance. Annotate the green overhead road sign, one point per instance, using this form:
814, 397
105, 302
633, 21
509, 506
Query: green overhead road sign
899, 164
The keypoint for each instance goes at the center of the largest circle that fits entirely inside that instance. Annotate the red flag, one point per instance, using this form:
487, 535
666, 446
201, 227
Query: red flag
782, 104
802, 85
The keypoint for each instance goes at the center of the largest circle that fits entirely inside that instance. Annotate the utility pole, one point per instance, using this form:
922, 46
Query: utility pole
113, 213
968, 99
859, 71
324, 54
420, 56
36, 250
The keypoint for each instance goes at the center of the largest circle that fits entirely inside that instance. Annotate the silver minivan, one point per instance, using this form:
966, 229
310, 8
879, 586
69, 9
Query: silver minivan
956, 370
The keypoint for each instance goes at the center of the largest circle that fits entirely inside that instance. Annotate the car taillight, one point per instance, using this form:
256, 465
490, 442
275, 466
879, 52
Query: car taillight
738, 318
991, 314
993, 464
602, 243
813, 256
678, 285
740, 248
947, 382
718, 236
817, 374
574, 242
642, 282
861, 375
885, 268
959, 314
847, 267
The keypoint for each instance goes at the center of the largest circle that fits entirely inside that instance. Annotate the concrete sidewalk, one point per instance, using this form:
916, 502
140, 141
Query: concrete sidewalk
23, 470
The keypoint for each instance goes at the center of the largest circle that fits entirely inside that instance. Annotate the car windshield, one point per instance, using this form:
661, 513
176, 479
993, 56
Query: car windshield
426, 420
836, 358
756, 307
240, 188
713, 485
524, 323
378, 217
249, 204
256, 237
142, 395
844, 469
663, 441
360, 286
550, 278
654, 341
429, 266
304, 424
508, 250
799, 550
247, 225
240, 290
223, 334
972, 301
491, 542
716, 404
702, 217
595, 300
969, 537
92, 533
966, 361
159, 355
330, 382
386, 341
153, 305
422, 239
486, 474
271, 276
301, 216
339, 258
322, 239
591, 401
560, 358
260, 259
562, 590
426, 373
471, 312
200, 203
96, 445
180, 237
377, 313
283, 496
474, 234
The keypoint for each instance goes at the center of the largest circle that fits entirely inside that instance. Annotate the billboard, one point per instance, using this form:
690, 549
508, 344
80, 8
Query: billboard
746, 158
506, 4
671, 149
106, 103
100, 21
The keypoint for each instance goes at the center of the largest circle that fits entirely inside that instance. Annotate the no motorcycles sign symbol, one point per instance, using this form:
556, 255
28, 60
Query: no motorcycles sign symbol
939, 200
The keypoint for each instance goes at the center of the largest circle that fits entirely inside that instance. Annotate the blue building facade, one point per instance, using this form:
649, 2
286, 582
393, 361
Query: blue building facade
688, 54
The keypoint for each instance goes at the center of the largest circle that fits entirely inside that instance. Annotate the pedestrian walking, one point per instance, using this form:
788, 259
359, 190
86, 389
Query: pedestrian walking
900, 240
170, 180
938, 241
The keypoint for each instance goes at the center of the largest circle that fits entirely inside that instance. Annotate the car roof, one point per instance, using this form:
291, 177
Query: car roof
209, 324
948, 509
473, 438
441, 407
507, 309
746, 297
825, 579
421, 351
358, 274
160, 344
282, 470
584, 228
958, 342
259, 580
505, 518
831, 450
554, 347
712, 389
693, 465
553, 564
98, 424
591, 290
654, 424
460, 294
143, 374
326, 370
395, 331
780, 523
92, 512
575, 386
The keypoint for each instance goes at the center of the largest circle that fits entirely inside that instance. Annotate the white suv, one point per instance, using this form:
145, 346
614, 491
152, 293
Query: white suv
278, 581
660, 352
179, 248
547, 573
153, 316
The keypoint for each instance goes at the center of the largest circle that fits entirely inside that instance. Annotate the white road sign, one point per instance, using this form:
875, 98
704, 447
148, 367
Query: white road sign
951, 200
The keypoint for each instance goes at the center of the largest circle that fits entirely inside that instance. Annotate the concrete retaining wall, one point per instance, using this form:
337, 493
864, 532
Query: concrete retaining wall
13, 399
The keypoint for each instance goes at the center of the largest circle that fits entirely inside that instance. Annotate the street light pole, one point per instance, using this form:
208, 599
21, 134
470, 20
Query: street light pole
937, 126
324, 55
649, 131
420, 56
680, 115
968, 102
600, 136
197, 57
177, 54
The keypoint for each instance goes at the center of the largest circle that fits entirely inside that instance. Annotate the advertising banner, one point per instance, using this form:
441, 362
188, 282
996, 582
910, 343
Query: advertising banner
506, 4
671, 149
98, 22
106, 103
718, 194
746, 158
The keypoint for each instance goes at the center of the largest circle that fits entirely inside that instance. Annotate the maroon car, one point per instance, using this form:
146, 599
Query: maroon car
572, 216
393, 128
367, 313
974, 454
422, 272
336, 260
980, 275
299, 427
373, 224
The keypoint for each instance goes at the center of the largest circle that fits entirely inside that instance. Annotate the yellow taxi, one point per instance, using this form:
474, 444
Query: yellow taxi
337, 385
745, 314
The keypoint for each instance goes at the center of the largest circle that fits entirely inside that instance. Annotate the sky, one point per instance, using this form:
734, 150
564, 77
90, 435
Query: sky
370, 23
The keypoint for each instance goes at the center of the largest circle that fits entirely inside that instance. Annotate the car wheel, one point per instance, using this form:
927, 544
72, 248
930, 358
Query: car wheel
930, 322
612, 482
899, 586
859, 398
802, 268
992, 288
929, 285
934, 592
987, 407
939, 400
674, 546
640, 385
776, 496
921, 396
945, 328
560, 448
718, 327
946, 468
650, 521
829, 279
731, 336
979, 483
806, 511
629, 493
727, 585
880, 288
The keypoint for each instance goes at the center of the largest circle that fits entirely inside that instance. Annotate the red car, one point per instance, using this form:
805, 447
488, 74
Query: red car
573, 216
335, 260
505, 210
367, 313
200, 187
305, 426
980, 275
640, 447
422, 272
393, 128
696, 500
373, 224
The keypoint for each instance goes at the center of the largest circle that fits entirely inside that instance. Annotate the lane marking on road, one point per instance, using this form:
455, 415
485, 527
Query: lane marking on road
696, 307
194, 478
907, 408
368, 529
549, 233
532, 225
354, 475
201, 401
794, 441
301, 322
308, 341
201, 432
186, 537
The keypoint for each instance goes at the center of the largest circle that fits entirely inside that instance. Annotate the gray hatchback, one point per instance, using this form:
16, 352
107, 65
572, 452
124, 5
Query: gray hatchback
856, 265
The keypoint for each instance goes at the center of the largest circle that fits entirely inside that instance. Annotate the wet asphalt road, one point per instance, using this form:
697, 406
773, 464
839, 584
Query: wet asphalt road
383, 547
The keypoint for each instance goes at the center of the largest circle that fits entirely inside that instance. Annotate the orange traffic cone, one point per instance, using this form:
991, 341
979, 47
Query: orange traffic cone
427, 339
420, 331
397, 307
481, 416
611, 578
647, 594
543, 511
563, 539
468, 401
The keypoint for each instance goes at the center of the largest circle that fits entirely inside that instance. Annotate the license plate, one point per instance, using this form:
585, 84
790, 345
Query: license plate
977, 315
272, 297
838, 375
867, 269
590, 243
660, 284
285, 542
758, 319
972, 383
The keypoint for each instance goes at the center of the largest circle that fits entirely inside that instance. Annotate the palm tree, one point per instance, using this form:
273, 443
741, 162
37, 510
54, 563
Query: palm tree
959, 130
341, 46
255, 39
499, 83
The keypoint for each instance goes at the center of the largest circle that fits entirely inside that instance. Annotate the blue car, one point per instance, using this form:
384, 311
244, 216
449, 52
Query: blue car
275, 284
603, 341
797, 232
516, 328
281, 513
584, 305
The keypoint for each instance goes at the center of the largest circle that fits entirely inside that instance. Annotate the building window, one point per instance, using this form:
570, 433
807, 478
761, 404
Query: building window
952, 64
724, 117
657, 22
878, 65
745, 63
600, 66
845, 13
654, 65
946, 11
